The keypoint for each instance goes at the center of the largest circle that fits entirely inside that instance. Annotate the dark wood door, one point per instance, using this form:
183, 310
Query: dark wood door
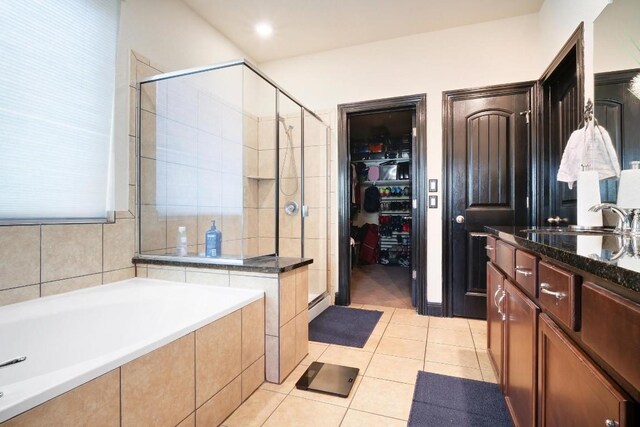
619, 112
572, 391
495, 334
487, 141
520, 336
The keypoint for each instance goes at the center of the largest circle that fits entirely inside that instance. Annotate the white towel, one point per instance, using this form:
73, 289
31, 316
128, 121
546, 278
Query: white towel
590, 145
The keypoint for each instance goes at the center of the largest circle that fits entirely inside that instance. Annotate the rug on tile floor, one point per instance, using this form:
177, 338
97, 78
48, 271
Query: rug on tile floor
440, 400
344, 326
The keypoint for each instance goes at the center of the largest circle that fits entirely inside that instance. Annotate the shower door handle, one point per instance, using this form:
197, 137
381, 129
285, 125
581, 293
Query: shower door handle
305, 211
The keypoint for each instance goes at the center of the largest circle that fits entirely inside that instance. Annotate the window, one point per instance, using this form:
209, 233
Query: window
57, 80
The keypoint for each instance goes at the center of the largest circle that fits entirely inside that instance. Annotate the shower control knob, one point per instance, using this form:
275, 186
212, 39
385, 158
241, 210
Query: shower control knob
291, 208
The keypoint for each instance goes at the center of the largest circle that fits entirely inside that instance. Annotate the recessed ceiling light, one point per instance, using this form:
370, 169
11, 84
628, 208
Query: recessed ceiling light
264, 30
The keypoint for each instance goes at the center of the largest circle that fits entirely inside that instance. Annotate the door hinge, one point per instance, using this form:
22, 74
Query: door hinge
415, 132
527, 202
414, 275
415, 203
526, 115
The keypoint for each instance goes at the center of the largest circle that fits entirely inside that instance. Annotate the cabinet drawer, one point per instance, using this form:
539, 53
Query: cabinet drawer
611, 328
491, 248
572, 390
505, 257
558, 293
526, 271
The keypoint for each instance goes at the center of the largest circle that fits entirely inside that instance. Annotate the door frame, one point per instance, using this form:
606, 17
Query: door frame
448, 99
418, 177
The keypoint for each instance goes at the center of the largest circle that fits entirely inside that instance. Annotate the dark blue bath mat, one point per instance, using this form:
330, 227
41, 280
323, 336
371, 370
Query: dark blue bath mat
344, 326
440, 400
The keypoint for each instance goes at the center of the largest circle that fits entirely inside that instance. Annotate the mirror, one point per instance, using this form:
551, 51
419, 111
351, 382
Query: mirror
616, 63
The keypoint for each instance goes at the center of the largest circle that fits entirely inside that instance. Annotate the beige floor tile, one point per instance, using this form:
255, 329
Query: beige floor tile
355, 418
457, 323
483, 359
256, 410
489, 376
356, 306
346, 356
380, 328
477, 325
452, 355
401, 348
394, 368
387, 312
296, 412
372, 343
409, 332
382, 397
409, 317
479, 340
453, 371
451, 337
315, 351
326, 398
288, 384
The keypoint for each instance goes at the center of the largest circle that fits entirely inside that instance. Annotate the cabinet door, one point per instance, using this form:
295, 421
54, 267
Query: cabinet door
520, 355
495, 298
572, 390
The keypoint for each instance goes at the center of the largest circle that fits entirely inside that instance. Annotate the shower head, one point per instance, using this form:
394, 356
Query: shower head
284, 123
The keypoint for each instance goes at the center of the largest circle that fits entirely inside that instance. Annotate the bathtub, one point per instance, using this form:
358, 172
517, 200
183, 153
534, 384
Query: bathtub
72, 338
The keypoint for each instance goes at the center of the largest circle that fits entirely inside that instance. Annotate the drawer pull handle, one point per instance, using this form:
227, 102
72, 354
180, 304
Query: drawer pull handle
545, 288
610, 423
526, 272
489, 248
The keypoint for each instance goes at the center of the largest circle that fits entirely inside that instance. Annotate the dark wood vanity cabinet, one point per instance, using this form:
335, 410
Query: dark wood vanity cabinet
565, 353
572, 390
520, 337
495, 327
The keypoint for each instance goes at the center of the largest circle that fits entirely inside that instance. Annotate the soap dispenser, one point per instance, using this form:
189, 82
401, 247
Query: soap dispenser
213, 241
628, 194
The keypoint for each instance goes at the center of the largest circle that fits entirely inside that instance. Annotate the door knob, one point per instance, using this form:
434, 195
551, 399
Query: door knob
460, 219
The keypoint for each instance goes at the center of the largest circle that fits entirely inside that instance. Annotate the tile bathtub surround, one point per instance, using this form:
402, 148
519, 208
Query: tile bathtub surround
41, 260
383, 391
190, 381
285, 335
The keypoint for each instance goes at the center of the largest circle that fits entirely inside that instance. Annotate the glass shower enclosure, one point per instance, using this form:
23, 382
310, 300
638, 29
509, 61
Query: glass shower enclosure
225, 148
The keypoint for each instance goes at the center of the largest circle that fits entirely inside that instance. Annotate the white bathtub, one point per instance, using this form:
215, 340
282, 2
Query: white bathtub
71, 338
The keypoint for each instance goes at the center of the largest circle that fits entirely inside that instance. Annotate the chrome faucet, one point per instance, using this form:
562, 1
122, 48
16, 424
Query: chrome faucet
624, 221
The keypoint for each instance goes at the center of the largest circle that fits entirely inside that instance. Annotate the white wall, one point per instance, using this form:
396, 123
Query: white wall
168, 33
615, 31
476, 55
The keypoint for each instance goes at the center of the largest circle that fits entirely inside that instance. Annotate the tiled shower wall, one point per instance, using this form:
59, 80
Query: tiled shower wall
199, 160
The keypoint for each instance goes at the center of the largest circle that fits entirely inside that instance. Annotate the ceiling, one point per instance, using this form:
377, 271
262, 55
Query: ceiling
302, 27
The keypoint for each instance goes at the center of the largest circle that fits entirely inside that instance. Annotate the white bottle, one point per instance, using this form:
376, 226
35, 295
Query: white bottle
181, 245
628, 194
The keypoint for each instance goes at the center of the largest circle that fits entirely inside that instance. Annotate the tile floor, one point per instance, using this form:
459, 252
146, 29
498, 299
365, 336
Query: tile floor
401, 344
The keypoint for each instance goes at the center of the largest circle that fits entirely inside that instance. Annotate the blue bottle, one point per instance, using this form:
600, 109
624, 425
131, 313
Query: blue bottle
213, 242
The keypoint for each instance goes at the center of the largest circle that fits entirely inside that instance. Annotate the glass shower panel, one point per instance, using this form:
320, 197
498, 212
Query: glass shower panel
290, 177
316, 198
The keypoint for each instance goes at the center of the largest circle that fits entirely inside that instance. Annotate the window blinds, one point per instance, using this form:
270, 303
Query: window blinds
57, 80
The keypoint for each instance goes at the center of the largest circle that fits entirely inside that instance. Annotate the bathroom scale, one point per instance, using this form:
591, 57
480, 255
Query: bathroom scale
327, 378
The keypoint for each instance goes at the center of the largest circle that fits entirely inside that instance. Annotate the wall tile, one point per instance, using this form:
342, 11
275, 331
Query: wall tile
15, 295
132, 111
204, 278
266, 134
270, 287
118, 275
302, 336
158, 388
217, 409
118, 244
218, 355
287, 296
190, 421
302, 289
287, 348
252, 332
252, 378
96, 403
272, 359
67, 285
153, 228
20, 255
70, 251
173, 274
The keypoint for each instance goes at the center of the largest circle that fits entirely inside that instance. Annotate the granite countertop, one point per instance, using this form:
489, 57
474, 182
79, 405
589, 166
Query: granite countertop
609, 256
263, 264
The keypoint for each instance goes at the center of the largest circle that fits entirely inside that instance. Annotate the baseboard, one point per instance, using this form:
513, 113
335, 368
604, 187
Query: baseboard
434, 309
319, 307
